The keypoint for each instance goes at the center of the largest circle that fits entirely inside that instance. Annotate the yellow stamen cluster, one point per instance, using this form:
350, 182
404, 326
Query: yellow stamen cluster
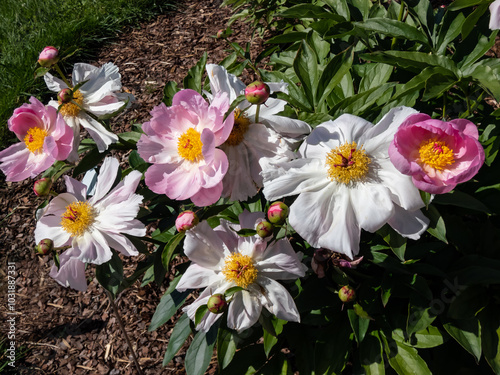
189, 145
77, 218
436, 154
241, 123
240, 269
347, 163
34, 139
71, 109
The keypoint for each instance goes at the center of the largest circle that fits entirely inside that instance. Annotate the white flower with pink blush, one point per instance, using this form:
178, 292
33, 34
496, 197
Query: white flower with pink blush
100, 95
495, 15
221, 259
180, 141
93, 226
45, 137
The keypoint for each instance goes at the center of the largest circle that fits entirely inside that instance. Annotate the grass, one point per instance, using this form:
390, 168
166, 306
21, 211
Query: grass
27, 26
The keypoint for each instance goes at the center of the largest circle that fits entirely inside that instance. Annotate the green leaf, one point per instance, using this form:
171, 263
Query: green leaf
135, 160
404, 359
169, 91
306, 68
169, 249
169, 304
333, 73
467, 333
110, 274
233, 105
200, 351
359, 325
490, 323
245, 232
461, 199
420, 316
200, 313
179, 335
193, 78
41, 71
450, 29
332, 348
394, 240
129, 137
472, 19
302, 11
229, 292
437, 227
460, 4
475, 270
426, 338
415, 61
370, 354
375, 75
226, 347
487, 77
393, 28
468, 303
89, 161
295, 96
359, 103
291, 37
271, 339
361, 312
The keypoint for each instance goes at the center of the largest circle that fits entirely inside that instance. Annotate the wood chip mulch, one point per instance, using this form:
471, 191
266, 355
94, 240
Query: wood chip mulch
68, 332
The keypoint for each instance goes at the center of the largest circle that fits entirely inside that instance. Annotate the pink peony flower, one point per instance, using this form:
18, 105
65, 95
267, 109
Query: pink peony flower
45, 137
436, 154
181, 143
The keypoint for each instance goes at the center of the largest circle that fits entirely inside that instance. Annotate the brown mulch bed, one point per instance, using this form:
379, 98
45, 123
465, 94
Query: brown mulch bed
68, 332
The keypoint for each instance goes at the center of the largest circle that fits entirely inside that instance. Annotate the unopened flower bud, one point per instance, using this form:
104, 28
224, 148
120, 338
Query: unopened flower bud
220, 34
264, 229
277, 212
217, 304
65, 95
42, 186
186, 220
48, 57
257, 92
44, 247
347, 294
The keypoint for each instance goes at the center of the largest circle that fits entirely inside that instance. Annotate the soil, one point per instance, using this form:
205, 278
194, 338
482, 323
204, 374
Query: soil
59, 330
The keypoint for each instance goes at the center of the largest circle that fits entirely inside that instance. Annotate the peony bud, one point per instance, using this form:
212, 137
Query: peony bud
48, 57
65, 95
42, 186
277, 212
257, 92
264, 229
220, 34
45, 246
186, 220
217, 304
347, 294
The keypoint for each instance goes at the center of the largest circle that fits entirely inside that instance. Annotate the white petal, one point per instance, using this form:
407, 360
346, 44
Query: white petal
106, 178
244, 311
372, 205
277, 300
222, 81
120, 243
70, 273
76, 188
102, 137
279, 261
409, 224
204, 247
53, 83
198, 277
50, 227
93, 247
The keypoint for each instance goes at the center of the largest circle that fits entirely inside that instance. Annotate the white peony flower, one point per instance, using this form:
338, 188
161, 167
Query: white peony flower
251, 146
221, 259
98, 96
91, 227
346, 182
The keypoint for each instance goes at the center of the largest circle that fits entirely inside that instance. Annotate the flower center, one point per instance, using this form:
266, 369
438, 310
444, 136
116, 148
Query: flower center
240, 269
347, 164
189, 145
436, 154
72, 109
240, 127
77, 218
34, 139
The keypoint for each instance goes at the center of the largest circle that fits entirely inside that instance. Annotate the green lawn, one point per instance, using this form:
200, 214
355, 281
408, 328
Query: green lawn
27, 26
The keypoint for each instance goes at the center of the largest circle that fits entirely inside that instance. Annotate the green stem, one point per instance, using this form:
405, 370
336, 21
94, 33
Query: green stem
56, 66
400, 17
257, 113
445, 97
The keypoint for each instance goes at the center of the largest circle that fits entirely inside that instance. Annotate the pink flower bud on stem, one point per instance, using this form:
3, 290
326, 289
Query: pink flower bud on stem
65, 96
264, 229
220, 34
186, 220
42, 186
44, 247
277, 213
257, 92
347, 294
217, 304
48, 57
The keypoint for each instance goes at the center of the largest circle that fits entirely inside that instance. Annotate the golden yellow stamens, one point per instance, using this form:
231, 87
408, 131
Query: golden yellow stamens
240, 269
34, 139
347, 163
77, 218
241, 123
71, 109
436, 154
189, 145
